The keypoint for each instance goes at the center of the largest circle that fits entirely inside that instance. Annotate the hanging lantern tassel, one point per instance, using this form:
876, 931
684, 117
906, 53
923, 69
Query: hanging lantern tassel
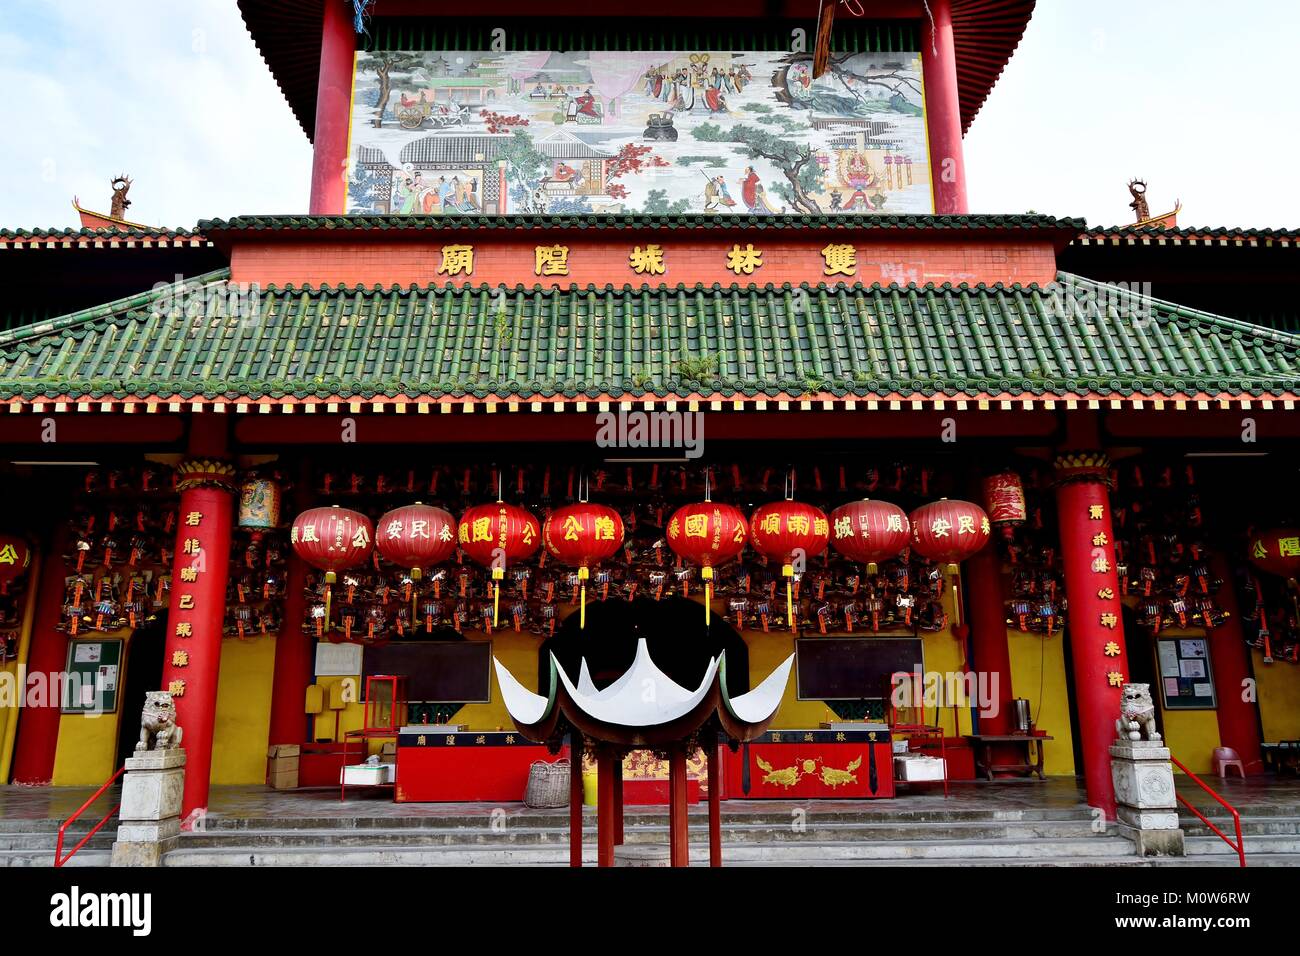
330, 578
788, 571
498, 574
583, 574
416, 574
707, 573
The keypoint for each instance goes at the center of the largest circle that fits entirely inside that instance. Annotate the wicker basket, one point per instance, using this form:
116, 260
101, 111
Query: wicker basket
548, 784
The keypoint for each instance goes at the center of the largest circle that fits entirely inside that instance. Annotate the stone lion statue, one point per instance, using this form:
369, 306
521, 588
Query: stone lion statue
1137, 710
158, 727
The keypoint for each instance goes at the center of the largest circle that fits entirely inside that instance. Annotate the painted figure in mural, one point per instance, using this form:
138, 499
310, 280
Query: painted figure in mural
586, 104
755, 196
716, 195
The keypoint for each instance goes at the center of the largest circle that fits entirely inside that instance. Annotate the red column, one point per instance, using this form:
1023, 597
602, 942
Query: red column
678, 834
618, 799
575, 799
333, 111
943, 112
986, 615
1230, 660
1096, 623
605, 758
197, 610
715, 805
294, 662
38, 727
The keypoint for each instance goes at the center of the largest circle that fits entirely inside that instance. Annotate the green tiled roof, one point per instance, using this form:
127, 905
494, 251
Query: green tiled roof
824, 342
366, 223
161, 232
1191, 235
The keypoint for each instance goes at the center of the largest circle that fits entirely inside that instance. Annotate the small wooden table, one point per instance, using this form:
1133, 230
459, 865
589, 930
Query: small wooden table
983, 745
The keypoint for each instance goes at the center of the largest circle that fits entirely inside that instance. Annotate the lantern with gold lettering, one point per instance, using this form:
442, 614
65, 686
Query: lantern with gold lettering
496, 534
790, 532
1276, 551
416, 536
580, 536
14, 558
708, 534
870, 531
1004, 497
949, 531
332, 539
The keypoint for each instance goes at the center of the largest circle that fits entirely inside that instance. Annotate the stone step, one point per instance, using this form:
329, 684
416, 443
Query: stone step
1249, 825
86, 856
1262, 844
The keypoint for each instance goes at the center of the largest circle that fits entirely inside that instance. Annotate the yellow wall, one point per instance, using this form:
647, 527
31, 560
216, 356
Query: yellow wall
1038, 675
1278, 689
243, 711
87, 748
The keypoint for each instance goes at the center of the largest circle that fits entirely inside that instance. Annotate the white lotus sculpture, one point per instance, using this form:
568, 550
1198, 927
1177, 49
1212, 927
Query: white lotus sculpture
644, 707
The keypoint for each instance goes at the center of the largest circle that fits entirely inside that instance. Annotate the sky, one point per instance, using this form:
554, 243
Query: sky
1198, 97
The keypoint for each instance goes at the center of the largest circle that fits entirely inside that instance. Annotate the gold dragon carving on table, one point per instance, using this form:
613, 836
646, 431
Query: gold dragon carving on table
809, 767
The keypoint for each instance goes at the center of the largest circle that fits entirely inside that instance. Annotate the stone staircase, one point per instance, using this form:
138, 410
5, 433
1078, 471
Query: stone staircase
830, 836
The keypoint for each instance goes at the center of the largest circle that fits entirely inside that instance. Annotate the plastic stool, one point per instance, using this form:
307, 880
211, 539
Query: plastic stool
1225, 757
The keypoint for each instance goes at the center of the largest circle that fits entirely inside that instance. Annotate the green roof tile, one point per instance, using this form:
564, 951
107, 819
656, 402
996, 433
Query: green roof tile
848, 341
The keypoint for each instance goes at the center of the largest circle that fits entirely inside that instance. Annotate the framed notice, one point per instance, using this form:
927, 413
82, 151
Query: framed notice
1186, 675
92, 677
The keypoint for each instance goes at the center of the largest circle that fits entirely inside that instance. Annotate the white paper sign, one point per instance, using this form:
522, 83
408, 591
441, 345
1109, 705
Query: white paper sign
1193, 668
1168, 659
1203, 690
87, 653
338, 660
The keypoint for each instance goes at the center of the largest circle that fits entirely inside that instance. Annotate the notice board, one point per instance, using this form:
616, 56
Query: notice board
435, 671
1186, 674
853, 668
92, 676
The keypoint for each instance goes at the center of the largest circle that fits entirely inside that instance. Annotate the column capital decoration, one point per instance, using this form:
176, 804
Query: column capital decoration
205, 473
1083, 466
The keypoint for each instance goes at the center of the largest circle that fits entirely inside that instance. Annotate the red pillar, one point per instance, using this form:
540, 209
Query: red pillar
618, 799
1096, 623
197, 608
715, 806
943, 112
38, 727
333, 111
986, 615
575, 799
605, 806
678, 834
1230, 660
294, 662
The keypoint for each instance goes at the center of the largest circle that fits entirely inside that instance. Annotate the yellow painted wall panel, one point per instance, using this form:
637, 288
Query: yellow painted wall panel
243, 711
1278, 687
1038, 675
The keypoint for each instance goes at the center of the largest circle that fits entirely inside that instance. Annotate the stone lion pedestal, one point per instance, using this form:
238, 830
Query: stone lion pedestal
1144, 793
150, 818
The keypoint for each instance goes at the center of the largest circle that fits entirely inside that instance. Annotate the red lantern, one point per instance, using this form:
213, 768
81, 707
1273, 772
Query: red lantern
784, 530
949, 531
582, 535
870, 531
492, 535
416, 536
332, 539
1004, 497
15, 556
708, 534
1277, 551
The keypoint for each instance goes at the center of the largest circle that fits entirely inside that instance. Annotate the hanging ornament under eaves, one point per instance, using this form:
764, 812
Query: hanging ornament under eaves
582, 535
948, 531
709, 534
870, 531
332, 539
496, 535
416, 537
790, 532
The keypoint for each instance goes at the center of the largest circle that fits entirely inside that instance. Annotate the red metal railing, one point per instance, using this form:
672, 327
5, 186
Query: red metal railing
59, 858
1240, 845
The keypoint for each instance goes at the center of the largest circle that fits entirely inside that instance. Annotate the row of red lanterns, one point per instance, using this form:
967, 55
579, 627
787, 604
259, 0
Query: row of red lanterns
708, 534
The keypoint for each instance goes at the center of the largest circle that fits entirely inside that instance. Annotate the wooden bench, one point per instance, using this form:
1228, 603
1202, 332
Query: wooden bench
983, 745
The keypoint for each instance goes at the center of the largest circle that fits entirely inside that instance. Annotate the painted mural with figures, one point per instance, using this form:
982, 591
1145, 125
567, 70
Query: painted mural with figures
463, 133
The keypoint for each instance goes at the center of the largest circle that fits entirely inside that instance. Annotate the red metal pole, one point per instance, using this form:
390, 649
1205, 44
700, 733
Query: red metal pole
618, 799
605, 807
986, 616
294, 662
575, 799
38, 726
943, 111
1238, 711
333, 111
678, 836
715, 805
197, 608
1096, 623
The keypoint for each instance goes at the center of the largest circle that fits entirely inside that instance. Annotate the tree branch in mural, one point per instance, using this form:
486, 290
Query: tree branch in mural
631, 159
524, 167
385, 65
797, 163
